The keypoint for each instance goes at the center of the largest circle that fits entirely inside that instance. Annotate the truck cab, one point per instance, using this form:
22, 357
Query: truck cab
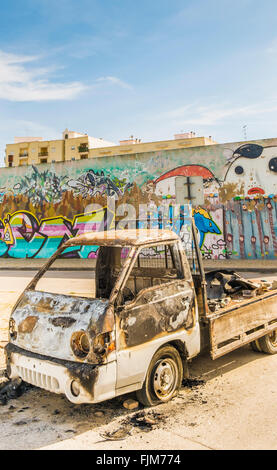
136, 334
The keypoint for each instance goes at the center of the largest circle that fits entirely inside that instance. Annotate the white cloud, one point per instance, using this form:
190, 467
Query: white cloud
115, 81
20, 83
272, 47
210, 115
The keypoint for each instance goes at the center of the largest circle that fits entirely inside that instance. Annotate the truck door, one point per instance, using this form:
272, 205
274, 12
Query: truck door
156, 301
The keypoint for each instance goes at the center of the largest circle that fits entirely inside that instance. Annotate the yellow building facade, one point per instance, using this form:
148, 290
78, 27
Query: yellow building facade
75, 146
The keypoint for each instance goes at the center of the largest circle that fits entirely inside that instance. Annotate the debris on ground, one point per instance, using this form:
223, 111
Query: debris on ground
145, 420
11, 389
117, 435
130, 404
191, 383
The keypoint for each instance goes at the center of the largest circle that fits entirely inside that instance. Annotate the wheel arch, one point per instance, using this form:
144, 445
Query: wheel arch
180, 346
182, 350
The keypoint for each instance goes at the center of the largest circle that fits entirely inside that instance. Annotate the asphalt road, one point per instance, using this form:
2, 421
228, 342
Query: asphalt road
234, 409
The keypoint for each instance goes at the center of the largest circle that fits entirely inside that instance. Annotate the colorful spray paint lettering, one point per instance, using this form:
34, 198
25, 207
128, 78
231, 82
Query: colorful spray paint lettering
24, 236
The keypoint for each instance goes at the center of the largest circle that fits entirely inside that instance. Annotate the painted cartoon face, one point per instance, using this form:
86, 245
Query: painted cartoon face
254, 170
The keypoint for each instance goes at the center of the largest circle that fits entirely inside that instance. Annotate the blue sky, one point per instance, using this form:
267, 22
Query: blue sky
113, 68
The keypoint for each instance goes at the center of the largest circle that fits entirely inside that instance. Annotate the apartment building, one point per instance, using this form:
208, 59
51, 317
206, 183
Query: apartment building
77, 146
132, 146
35, 150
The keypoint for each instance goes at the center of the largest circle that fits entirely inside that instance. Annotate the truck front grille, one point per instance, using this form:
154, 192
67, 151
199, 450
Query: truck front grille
38, 379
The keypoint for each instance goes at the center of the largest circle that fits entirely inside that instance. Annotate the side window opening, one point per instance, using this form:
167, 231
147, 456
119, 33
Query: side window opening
154, 266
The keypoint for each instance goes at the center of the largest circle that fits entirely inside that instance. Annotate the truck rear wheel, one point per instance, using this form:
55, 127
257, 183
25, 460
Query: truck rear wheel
268, 343
163, 378
255, 346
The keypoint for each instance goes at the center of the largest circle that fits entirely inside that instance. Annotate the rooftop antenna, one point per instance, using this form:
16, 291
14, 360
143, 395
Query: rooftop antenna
245, 131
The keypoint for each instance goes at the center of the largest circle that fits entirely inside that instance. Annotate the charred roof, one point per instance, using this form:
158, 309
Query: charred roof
134, 237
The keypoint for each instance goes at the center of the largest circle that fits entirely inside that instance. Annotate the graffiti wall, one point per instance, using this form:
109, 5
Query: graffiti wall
42, 206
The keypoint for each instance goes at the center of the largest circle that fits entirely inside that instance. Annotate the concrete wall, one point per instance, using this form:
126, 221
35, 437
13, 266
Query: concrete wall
45, 204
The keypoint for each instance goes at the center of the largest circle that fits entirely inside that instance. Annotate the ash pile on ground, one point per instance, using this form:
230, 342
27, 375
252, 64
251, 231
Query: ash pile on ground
146, 421
143, 420
192, 383
12, 389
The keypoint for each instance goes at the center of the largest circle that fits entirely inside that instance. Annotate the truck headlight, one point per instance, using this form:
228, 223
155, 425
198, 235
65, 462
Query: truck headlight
80, 344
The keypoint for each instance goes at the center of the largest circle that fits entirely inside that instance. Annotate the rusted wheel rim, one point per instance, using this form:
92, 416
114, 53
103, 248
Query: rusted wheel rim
165, 379
273, 338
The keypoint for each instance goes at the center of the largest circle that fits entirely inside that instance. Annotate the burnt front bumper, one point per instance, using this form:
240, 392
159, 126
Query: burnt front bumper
92, 383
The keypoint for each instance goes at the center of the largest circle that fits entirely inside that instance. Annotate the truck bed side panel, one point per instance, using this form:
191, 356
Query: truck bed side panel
232, 328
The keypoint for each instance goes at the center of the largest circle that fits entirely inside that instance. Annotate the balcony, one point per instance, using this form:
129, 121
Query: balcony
23, 155
83, 148
43, 154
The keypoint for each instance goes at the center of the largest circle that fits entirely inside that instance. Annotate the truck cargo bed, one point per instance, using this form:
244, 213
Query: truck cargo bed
242, 322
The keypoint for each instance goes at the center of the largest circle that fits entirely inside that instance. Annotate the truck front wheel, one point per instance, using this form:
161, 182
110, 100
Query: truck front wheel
163, 378
268, 343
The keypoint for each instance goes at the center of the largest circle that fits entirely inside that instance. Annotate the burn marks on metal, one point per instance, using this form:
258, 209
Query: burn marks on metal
44, 322
63, 322
167, 309
85, 374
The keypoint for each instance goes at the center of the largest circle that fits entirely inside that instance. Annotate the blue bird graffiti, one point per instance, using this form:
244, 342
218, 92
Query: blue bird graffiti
204, 224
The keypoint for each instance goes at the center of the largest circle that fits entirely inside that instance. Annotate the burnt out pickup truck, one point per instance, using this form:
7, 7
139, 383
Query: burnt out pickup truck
148, 318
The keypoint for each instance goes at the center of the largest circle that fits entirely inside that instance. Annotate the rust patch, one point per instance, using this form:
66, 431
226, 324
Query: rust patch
28, 324
64, 322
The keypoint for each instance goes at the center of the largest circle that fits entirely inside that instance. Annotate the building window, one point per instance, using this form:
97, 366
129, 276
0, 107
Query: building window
83, 147
43, 160
83, 157
10, 164
73, 148
53, 149
66, 136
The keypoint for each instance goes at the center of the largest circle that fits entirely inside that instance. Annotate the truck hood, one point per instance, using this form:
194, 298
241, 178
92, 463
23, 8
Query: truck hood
44, 322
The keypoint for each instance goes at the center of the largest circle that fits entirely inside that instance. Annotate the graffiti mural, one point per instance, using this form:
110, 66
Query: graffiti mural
94, 183
204, 223
207, 227
24, 236
251, 228
254, 168
42, 206
39, 187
